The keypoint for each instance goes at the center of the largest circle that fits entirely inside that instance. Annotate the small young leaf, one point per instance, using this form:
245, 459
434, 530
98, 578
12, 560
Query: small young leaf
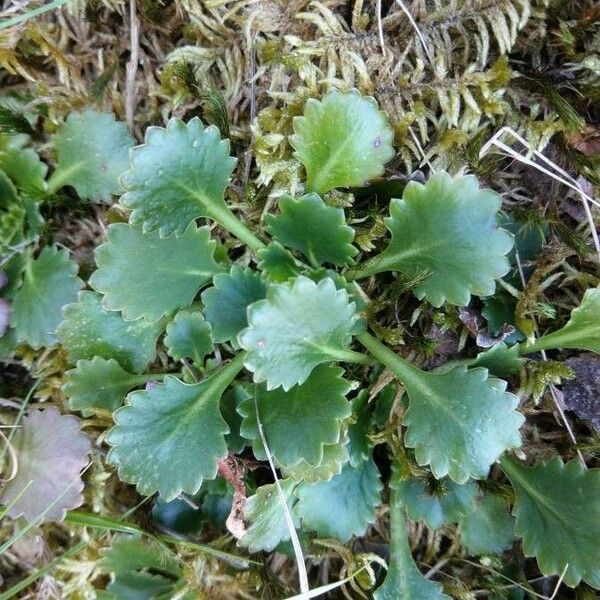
500, 360
404, 580
139, 585
277, 263
359, 445
98, 385
51, 452
436, 509
170, 437
446, 227
264, 512
226, 302
335, 456
230, 402
144, 275
487, 527
299, 326
49, 283
189, 336
89, 330
93, 152
343, 140
177, 175
344, 505
557, 507
317, 230
581, 332
298, 423
24, 167
460, 422
130, 553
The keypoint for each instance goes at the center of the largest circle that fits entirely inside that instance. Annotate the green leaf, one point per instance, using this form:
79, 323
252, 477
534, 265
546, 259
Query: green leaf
317, 230
446, 227
89, 330
49, 283
98, 385
51, 452
177, 175
226, 302
130, 553
343, 506
8, 191
277, 263
24, 167
299, 326
300, 422
487, 527
582, 331
189, 336
11, 226
140, 585
335, 456
170, 437
144, 275
359, 444
460, 422
93, 152
500, 360
444, 504
404, 580
557, 507
343, 140
230, 403
265, 514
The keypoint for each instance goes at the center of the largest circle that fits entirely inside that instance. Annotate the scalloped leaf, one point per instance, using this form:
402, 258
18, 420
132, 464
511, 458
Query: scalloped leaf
460, 422
359, 444
140, 585
131, 553
446, 227
168, 438
487, 526
49, 282
177, 175
403, 579
93, 152
437, 507
98, 385
51, 452
342, 140
144, 275
264, 512
300, 422
500, 360
335, 456
343, 506
277, 263
582, 331
24, 167
230, 403
226, 302
317, 230
299, 326
557, 507
89, 330
189, 336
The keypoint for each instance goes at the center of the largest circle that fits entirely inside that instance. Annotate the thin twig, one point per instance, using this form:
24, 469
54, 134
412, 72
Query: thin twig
132, 65
300, 562
556, 173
